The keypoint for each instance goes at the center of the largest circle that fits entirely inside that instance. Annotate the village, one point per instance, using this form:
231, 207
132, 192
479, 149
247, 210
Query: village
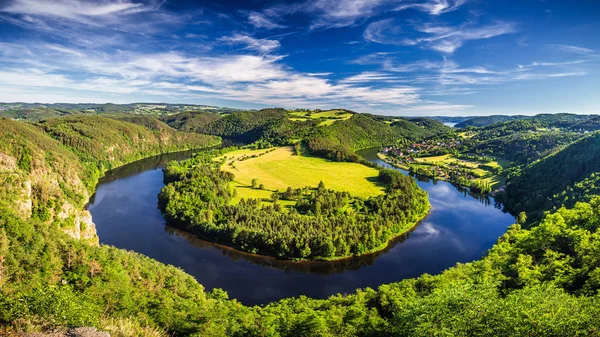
441, 159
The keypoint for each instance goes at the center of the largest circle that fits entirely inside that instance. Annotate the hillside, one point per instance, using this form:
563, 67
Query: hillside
190, 121
340, 140
49, 170
488, 120
244, 125
565, 177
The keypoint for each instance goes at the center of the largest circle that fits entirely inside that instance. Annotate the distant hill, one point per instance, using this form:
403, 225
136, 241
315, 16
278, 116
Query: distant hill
488, 120
38, 111
190, 121
558, 120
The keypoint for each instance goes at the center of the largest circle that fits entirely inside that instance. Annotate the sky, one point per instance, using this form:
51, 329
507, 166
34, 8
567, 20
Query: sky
390, 57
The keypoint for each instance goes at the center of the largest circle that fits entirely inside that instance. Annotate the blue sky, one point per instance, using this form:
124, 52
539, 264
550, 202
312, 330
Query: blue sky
393, 57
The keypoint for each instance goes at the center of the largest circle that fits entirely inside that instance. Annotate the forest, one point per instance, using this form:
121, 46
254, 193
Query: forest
323, 224
573, 177
541, 278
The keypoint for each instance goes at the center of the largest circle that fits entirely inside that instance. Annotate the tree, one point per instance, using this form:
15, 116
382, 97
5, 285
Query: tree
522, 219
254, 183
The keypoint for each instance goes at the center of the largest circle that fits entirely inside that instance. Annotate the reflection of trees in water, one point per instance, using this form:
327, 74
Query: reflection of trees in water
308, 267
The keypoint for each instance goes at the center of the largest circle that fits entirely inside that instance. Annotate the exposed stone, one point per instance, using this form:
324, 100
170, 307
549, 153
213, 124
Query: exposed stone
24, 205
76, 332
7, 163
87, 332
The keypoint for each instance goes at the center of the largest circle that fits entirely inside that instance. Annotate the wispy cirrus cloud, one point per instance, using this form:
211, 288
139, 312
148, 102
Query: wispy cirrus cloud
433, 7
326, 14
261, 45
442, 38
573, 49
77, 9
447, 73
261, 20
342, 13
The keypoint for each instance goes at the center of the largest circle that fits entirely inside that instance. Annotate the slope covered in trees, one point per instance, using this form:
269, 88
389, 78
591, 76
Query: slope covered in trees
340, 140
48, 170
190, 121
245, 125
561, 178
323, 224
526, 140
540, 282
488, 120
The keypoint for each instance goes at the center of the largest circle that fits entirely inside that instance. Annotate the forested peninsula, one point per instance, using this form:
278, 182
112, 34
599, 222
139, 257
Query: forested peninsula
320, 223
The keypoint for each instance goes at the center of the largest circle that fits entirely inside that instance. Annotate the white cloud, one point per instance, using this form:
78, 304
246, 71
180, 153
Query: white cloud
385, 32
434, 7
245, 78
263, 46
371, 76
342, 13
445, 39
573, 49
73, 9
260, 20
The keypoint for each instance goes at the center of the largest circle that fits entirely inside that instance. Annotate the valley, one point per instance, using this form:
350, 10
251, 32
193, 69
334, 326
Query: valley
336, 245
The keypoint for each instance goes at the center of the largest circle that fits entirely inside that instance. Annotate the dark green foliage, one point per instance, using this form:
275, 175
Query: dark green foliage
270, 126
488, 120
102, 143
244, 125
148, 122
190, 121
35, 111
323, 224
340, 140
560, 120
570, 173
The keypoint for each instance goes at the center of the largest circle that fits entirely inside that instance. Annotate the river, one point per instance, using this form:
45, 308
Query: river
459, 228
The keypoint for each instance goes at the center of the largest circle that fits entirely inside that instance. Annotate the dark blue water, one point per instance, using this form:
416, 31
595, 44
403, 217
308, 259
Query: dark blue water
460, 228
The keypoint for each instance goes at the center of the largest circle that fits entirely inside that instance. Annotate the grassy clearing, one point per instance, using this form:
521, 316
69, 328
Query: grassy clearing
282, 168
482, 174
434, 159
328, 117
466, 135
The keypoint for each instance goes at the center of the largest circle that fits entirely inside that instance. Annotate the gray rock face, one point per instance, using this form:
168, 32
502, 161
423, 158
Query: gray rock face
87, 332
75, 332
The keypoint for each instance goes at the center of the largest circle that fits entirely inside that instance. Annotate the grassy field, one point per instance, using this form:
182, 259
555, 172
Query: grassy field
328, 117
282, 168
